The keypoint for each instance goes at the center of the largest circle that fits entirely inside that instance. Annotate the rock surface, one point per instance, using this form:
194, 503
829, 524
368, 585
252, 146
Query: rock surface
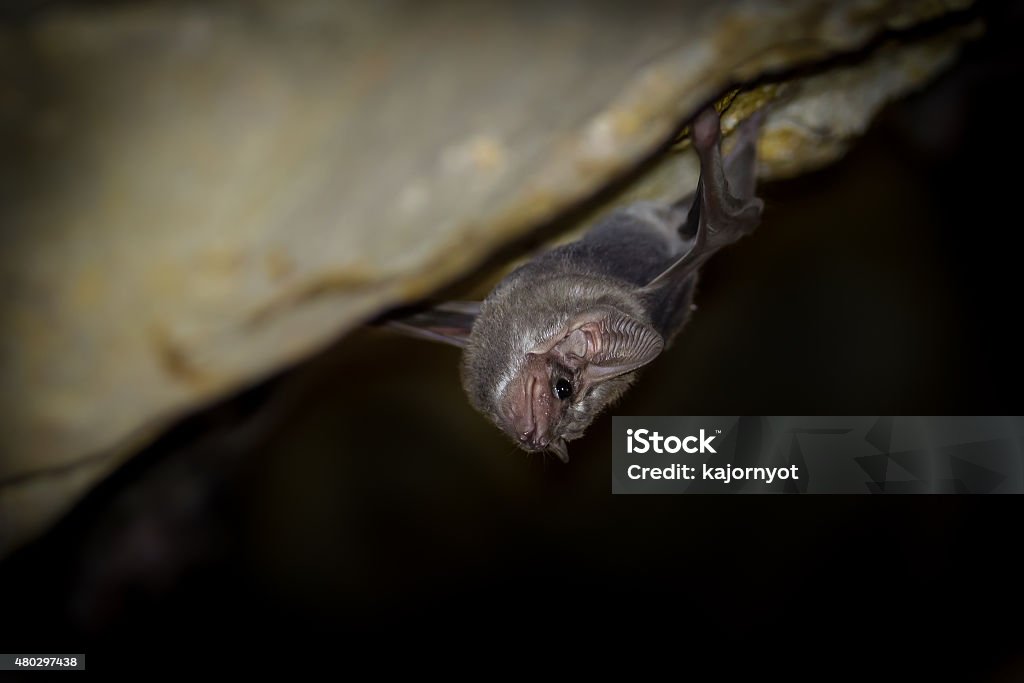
197, 195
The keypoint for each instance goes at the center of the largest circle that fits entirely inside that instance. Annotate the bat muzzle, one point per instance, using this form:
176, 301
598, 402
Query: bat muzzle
533, 410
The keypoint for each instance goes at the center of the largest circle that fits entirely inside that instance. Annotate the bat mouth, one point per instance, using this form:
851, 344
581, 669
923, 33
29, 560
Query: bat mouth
555, 446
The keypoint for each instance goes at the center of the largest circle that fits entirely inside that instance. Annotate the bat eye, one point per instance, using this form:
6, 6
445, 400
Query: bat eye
563, 389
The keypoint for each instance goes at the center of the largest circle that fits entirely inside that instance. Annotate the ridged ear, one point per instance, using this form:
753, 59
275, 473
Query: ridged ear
605, 342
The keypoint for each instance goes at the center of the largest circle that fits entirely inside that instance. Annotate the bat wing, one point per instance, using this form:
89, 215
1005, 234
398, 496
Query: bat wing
449, 323
724, 207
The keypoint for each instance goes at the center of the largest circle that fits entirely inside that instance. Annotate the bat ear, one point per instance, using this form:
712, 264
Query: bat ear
449, 323
605, 343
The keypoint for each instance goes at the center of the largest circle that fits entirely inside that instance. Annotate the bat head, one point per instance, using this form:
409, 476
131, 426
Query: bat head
549, 394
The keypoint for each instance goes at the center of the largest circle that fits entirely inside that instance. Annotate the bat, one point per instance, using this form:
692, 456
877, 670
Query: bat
562, 337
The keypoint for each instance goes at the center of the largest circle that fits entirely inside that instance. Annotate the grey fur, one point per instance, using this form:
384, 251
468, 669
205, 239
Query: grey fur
595, 310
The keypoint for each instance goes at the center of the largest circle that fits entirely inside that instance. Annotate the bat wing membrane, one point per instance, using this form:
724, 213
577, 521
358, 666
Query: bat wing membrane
724, 207
448, 323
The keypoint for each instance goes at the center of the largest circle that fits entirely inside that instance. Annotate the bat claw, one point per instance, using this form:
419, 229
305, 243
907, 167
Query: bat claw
706, 129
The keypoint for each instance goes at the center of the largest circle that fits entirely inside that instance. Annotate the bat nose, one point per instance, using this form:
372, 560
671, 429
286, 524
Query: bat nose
531, 439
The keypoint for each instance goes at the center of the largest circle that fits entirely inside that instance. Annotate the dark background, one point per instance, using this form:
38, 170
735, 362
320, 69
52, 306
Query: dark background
358, 502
